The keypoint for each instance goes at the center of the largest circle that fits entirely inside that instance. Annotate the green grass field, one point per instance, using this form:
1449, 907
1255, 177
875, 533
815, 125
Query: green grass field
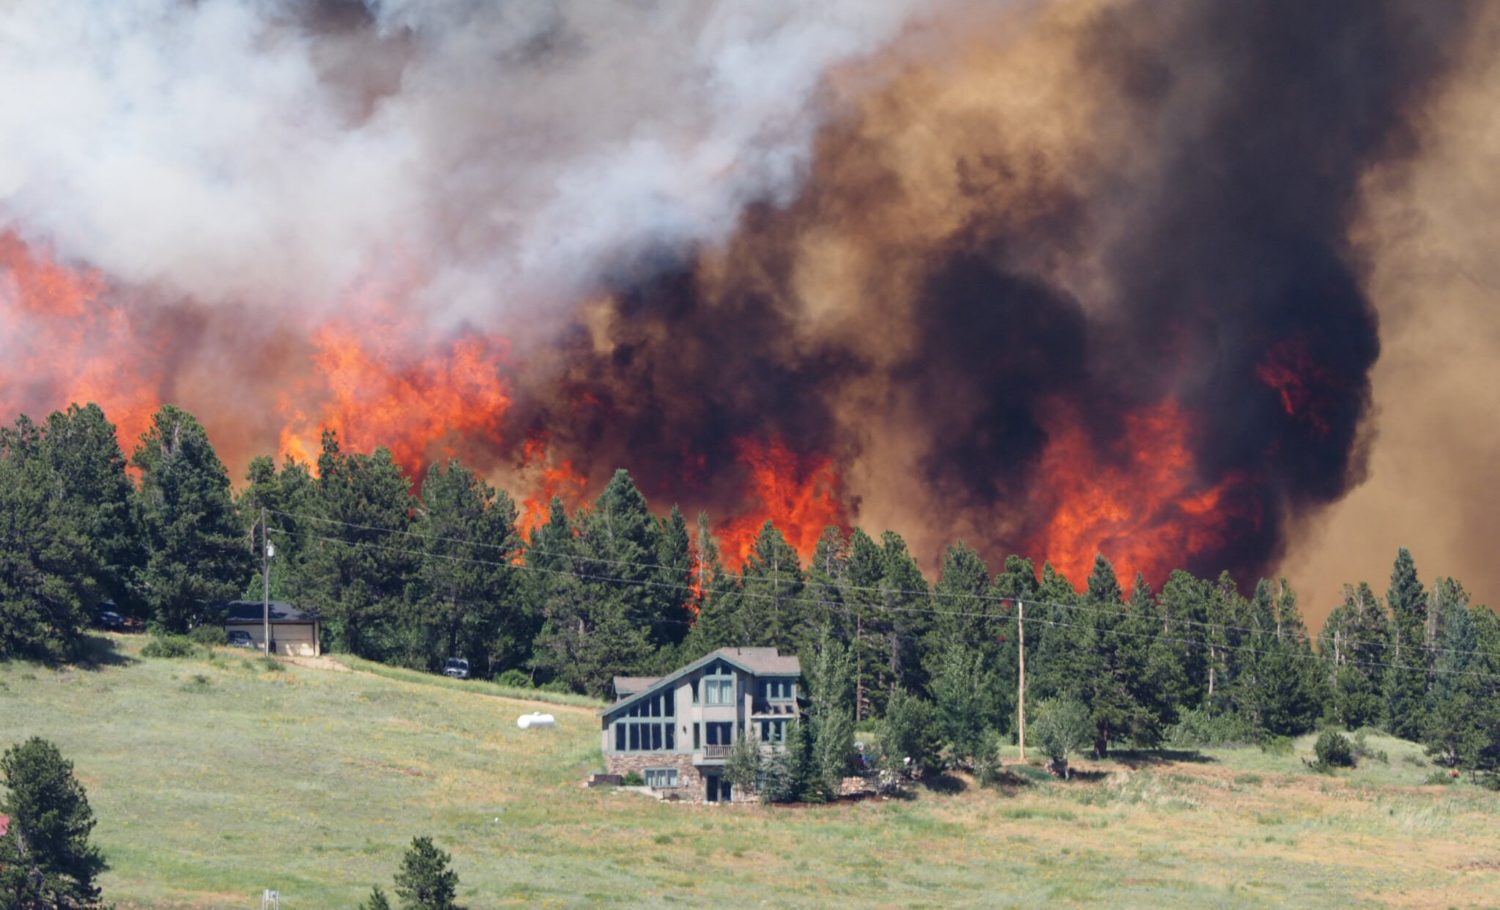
213, 779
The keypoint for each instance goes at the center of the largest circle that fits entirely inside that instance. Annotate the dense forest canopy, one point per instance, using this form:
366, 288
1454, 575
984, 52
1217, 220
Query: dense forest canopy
412, 576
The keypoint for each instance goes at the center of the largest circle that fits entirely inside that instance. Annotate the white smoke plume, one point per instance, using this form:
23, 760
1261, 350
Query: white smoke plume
480, 159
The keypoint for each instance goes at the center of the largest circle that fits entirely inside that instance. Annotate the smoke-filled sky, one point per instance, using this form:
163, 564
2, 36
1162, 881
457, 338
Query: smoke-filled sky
1198, 285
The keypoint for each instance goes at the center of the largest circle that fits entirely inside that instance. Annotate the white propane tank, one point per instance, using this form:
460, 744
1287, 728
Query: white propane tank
535, 719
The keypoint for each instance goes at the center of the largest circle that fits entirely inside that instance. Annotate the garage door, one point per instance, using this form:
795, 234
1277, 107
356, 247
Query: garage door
295, 640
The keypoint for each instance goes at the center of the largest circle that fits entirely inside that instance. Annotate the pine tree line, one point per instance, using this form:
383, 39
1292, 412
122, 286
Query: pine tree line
413, 578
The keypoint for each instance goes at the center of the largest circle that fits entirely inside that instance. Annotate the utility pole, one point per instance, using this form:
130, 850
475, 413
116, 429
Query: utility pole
265, 574
1021, 677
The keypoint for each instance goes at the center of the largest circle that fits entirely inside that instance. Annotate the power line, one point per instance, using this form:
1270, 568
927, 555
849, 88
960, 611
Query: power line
1207, 625
830, 606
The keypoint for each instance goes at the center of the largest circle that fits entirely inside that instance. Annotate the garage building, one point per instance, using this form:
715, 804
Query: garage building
294, 633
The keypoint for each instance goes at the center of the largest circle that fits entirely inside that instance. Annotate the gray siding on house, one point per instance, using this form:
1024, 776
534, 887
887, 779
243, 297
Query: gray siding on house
692, 716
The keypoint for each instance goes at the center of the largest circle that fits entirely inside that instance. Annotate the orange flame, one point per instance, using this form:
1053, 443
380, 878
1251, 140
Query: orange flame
372, 394
800, 495
1140, 503
63, 328
551, 481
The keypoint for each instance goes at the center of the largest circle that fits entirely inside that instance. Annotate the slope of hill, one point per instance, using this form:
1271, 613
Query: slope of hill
213, 779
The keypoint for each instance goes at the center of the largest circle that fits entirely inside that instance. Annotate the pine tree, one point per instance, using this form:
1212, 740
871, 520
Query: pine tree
1406, 676
673, 587
45, 857
463, 593
425, 882
359, 557
287, 498
198, 555
48, 568
773, 611
907, 601
715, 592
1354, 644
589, 633
829, 717
83, 450
869, 623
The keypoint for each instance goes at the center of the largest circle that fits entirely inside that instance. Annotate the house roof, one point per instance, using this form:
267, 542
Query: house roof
251, 611
626, 686
755, 661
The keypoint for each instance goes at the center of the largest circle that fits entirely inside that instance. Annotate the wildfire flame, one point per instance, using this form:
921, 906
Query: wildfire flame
549, 480
1139, 502
372, 392
1291, 372
63, 326
801, 495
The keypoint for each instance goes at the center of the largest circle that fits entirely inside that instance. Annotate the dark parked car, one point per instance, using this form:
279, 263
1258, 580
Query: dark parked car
239, 638
109, 619
457, 668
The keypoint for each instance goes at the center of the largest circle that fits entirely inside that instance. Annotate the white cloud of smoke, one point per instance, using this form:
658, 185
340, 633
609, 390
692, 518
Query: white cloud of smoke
482, 159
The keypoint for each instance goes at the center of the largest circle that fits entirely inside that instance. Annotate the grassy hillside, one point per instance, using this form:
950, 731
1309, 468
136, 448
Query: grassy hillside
214, 779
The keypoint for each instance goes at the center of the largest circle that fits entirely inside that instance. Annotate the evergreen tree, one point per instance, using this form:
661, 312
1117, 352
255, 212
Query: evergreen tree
377, 900
715, 593
743, 766
47, 566
908, 734
359, 556
773, 609
198, 555
964, 702
1183, 610
463, 594
588, 635
1289, 682
907, 602
826, 580
869, 623
287, 497
1406, 676
45, 857
829, 685
425, 882
673, 589
83, 451
1354, 645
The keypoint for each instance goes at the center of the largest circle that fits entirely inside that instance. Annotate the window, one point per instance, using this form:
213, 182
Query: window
773, 731
661, 777
718, 690
697, 736
720, 734
645, 736
777, 690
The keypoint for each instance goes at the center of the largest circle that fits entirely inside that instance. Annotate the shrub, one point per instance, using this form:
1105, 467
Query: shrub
1334, 750
515, 679
168, 645
633, 779
1362, 750
210, 636
1061, 726
987, 763
1196, 727
1277, 745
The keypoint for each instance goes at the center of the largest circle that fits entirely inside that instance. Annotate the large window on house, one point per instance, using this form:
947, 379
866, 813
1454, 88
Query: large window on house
718, 690
719, 734
649, 725
661, 777
645, 736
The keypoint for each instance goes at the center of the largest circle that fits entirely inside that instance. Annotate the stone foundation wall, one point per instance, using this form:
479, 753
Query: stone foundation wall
690, 785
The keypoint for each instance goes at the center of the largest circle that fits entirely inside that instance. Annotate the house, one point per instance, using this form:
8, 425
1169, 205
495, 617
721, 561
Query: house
676, 730
294, 633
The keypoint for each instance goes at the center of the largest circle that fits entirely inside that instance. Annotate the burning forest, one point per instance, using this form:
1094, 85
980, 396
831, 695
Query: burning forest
1052, 278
